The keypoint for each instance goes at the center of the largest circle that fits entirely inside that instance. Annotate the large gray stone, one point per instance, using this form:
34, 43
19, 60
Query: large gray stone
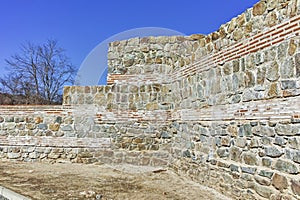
287, 129
235, 82
288, 84
287, 69
245, 130
296, 156
282, 50
263, 131
263, 191
280, 141
223, 152
272, 72
273, 152
43, 126
286, 166
234, 168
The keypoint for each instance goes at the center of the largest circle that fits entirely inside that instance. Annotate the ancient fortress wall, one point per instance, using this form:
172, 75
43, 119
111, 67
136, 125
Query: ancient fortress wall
223, 109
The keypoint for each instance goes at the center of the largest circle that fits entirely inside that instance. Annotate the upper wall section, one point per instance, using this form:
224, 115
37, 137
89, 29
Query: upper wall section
147, 59
154, 59
264, 15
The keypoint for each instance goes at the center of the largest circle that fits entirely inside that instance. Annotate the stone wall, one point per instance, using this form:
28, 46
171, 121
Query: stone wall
76, 134
223, 109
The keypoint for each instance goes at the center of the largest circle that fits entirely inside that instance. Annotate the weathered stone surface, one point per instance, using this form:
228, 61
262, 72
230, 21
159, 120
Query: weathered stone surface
128, 61
259, 8
273, 152
67, 128
294, 143
272, 71
273, 90
249, 170
267, 162
261, 75
282, 50
263, 131
232, 25
280, 141
30, 126
196, 36
250, 158
43, 126
265, 173
271, 19
33, 155
235, 153
297, 64
287, 129
238, 34
295, 185
215, 36
287, 69
272, 4
152, 106
241, 142
54, 127
223, 152
292, 47
234, 168
13, 155
288, 84
263, 191
254, 143
296, 156
225, 141
262, 181
227, 69
286, 166
245, 130
279, 181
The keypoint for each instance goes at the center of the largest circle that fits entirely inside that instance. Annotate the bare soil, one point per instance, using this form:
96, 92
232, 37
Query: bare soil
81, 181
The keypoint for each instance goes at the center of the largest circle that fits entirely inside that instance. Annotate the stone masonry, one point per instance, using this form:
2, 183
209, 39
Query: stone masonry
223, 108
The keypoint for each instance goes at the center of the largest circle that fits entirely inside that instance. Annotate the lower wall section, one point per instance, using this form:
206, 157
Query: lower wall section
244, 159
240, 151
249, 157
222, 176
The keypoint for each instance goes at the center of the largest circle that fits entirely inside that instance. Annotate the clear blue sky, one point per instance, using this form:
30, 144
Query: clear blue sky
79, 25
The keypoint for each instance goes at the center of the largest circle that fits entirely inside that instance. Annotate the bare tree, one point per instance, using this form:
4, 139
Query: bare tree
38, 73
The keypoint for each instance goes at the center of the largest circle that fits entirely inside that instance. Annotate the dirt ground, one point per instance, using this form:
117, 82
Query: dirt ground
80, 181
